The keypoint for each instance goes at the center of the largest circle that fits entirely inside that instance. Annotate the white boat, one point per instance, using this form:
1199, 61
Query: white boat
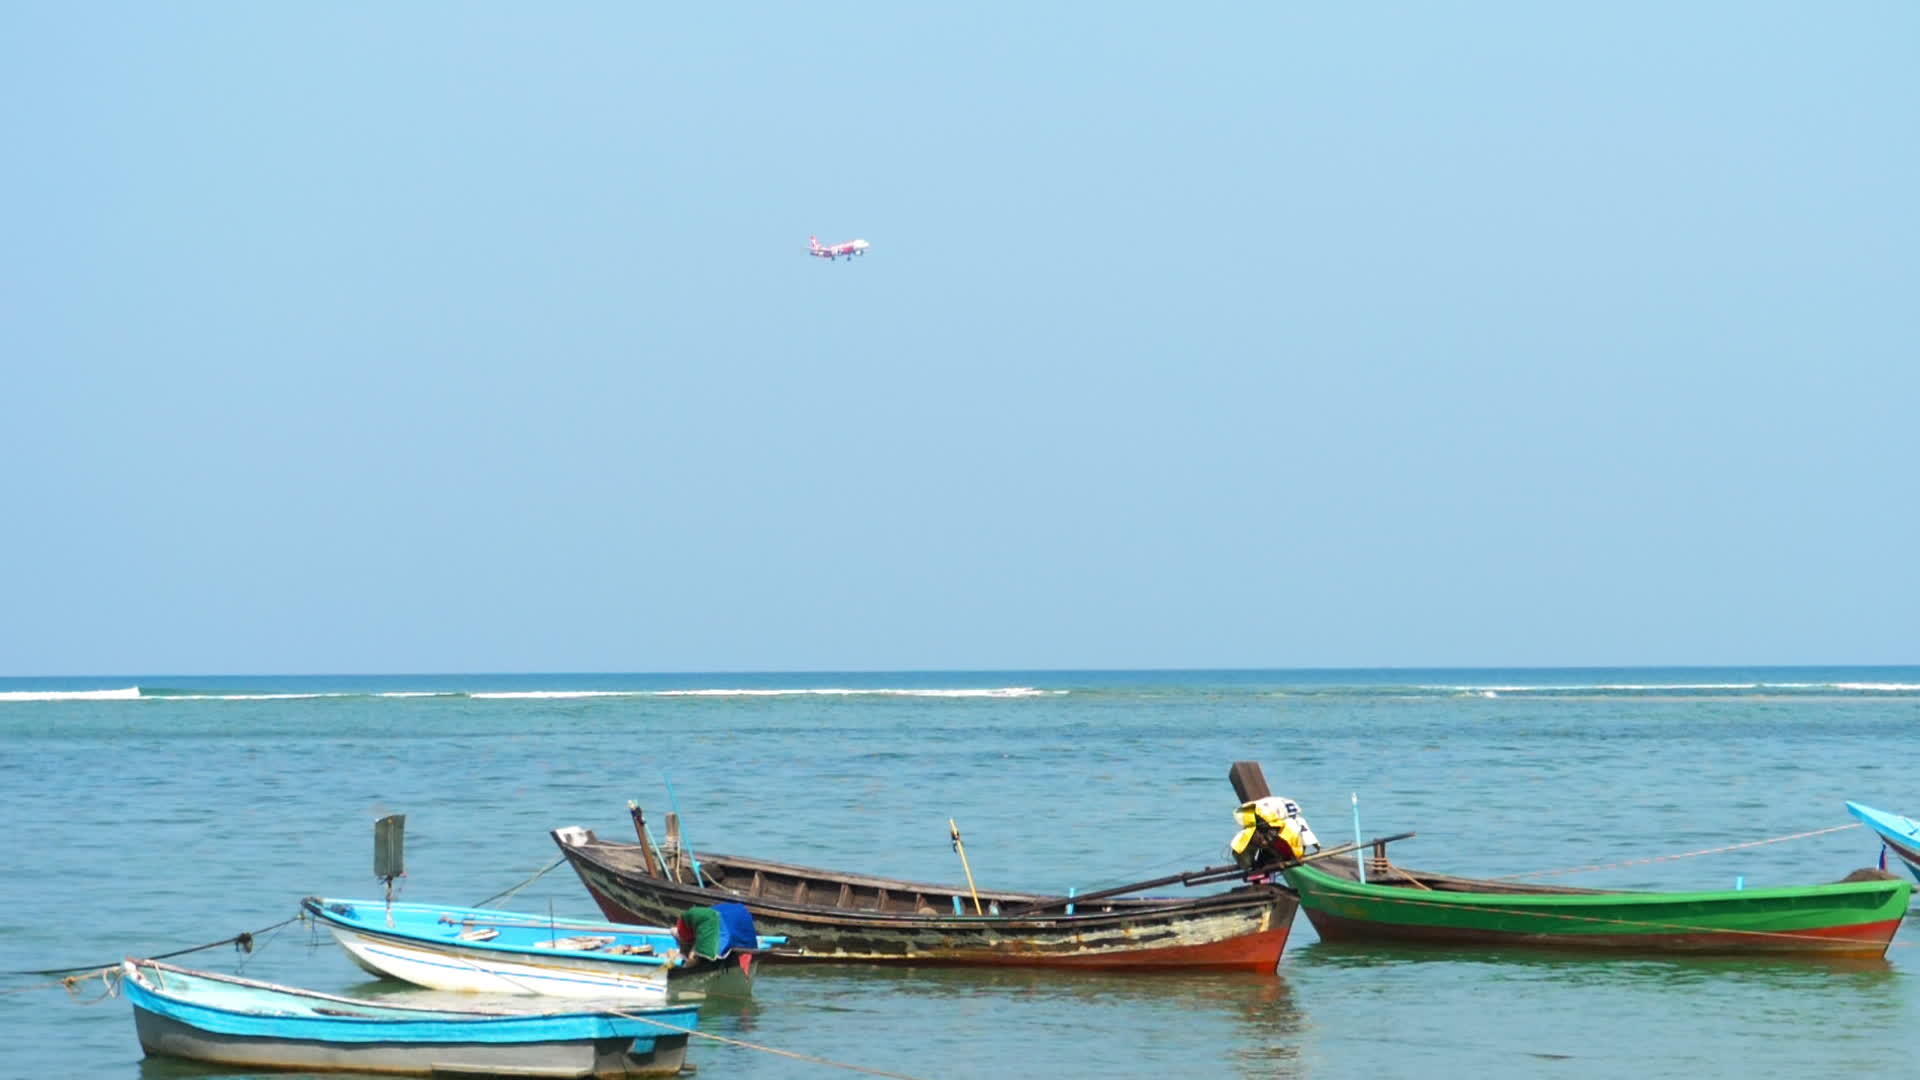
506, 952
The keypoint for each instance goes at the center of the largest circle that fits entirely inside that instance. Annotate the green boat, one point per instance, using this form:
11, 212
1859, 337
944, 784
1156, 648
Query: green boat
1857, 916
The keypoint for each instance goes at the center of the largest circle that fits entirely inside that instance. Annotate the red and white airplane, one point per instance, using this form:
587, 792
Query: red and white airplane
834, 251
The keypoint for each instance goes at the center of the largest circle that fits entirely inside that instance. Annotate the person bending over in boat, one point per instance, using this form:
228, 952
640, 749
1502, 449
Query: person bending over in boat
698, 933
710, 933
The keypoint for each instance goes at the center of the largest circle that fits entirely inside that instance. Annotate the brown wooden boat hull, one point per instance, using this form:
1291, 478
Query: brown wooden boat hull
1242, 930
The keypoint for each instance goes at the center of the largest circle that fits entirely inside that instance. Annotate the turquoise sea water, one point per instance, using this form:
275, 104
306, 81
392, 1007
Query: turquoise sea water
191, 808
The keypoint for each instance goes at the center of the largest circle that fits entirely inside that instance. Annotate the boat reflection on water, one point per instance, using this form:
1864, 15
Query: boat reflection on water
1197, 1023
166, 1068
1199, 989
1586, 965
712, 1003
1500, 1012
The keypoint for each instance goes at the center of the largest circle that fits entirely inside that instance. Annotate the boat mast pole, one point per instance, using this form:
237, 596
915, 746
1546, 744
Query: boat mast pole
687, 843
1360, 859
654, 866
953, 830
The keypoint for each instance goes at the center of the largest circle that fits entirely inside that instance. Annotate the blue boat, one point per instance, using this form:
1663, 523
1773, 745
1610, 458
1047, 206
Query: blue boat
202, 1016
1900, 835
510, 952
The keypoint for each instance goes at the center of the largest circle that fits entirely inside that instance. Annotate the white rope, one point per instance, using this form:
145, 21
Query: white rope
1681, 855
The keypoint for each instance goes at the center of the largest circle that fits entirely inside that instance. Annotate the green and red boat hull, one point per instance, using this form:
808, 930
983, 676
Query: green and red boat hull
1850, 918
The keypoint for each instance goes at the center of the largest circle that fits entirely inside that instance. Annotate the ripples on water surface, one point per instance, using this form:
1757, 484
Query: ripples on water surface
144, 814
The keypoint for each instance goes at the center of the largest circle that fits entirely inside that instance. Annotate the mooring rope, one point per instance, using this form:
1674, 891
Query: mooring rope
109, 976
260, 939
242, 941
1681, 855
72, 983
1383, 866
766, 1049
109, 985
538, 874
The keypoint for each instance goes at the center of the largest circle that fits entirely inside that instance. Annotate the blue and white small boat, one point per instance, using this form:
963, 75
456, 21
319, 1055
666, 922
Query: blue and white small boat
225, 1020
1900, 835
509, 952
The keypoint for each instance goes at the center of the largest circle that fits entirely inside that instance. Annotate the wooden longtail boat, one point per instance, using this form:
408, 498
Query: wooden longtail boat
508, 952
1900, 835
1857, 916
202, 1016
830, 916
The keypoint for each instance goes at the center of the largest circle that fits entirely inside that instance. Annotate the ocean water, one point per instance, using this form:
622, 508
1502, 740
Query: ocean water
149, 813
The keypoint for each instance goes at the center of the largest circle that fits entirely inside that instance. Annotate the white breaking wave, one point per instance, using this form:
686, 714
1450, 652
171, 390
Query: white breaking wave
1610, 686
495, 694
1490, 691
131, 693
259, 697
315, 694
828, 691
841, 691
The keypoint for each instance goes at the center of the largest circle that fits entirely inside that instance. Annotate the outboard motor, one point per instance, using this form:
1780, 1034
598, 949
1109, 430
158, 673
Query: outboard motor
1272, 830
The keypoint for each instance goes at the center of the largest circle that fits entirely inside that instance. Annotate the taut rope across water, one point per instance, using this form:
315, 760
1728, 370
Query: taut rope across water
1681, 855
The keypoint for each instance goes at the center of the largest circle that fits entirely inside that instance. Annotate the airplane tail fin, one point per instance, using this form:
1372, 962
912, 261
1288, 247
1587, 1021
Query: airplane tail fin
813, 243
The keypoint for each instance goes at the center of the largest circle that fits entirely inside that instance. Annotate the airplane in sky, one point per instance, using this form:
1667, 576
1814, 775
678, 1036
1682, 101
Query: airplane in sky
834, 251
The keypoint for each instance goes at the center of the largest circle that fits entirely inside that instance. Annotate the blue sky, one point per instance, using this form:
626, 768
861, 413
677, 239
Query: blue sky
467, 337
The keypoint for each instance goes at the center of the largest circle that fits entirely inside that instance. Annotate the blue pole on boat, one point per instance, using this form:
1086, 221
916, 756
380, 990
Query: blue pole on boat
1070, 899
684, 840
1359, 856
1740, 882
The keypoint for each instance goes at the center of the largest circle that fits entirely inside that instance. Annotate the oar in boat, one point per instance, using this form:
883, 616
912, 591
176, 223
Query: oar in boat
534, 922
1207, 876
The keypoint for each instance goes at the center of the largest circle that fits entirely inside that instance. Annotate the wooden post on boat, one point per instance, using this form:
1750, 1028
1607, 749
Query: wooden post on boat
1249, 782
646, 843
675, 857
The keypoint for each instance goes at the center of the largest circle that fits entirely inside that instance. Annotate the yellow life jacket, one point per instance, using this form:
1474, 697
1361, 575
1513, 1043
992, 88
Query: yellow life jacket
1265, 814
